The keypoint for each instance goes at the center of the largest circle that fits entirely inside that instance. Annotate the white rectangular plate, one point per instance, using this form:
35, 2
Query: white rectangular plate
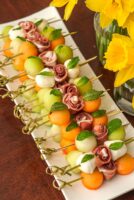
110, 189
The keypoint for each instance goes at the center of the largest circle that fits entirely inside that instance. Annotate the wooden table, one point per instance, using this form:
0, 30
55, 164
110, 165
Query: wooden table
22, 173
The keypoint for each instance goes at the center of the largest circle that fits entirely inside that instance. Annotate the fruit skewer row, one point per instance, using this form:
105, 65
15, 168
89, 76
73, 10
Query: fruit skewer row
69, 101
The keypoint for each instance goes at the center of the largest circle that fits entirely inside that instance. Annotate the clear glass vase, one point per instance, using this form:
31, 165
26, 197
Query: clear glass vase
123, 94
104, 36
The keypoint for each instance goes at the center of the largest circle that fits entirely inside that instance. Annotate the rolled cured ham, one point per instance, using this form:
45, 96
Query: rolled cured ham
60, 73
109, 170
49, 58
103, 155
69, 88
101, 133
74, 102
27, 26
84, 120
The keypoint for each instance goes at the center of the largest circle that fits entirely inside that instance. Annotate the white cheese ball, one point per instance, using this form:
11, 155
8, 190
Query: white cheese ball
74, 72
44, 81
87, 166
116, 153
42, 23
15, 32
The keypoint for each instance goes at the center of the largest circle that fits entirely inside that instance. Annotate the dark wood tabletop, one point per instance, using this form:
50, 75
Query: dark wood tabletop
22, 172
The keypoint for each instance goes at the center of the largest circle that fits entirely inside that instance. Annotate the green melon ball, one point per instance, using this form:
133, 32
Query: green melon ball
63, 53
72, 159
44, 113
50, 99
15, 45
5, 31
33, 65
47, 31
83, 84
57, 138
29, 83
118, 134
42, 93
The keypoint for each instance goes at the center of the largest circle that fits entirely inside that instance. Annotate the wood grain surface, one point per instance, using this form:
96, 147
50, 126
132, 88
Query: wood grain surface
22, 172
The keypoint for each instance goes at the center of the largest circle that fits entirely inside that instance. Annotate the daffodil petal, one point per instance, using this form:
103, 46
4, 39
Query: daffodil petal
95, 5
124, 75
105, 20
58, 3
69, 8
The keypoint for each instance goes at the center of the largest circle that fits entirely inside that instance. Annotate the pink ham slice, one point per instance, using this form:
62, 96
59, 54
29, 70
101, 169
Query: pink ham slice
74, 102
109, 170
101, 133
103, 155
69, 88
27, 26
84, 120
49, 58
60, 73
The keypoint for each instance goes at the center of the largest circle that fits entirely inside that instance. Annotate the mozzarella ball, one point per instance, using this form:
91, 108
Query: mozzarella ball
74, 72
45, 81
15, 32
116, 153
41, 24
87, 166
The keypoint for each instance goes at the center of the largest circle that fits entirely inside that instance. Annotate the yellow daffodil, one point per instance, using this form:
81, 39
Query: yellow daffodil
120, 53
124, 75
111, 9
133, 102
70, 4
129, 24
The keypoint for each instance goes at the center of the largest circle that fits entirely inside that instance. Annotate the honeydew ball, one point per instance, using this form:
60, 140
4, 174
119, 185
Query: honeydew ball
5, 31
50, 99
28, 84
85, 141
84, 84
72, 158
41, 94
56, 133
33, 66
46, 32
63, 53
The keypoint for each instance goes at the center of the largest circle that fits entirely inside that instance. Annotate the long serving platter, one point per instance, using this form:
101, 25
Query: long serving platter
110, 189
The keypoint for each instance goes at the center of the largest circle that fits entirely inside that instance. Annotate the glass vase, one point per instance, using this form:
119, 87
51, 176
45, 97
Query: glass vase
124, 95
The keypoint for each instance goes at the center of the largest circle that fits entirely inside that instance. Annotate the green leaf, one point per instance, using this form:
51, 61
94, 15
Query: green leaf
56, 92
45, 73
58, 106
84, 134
92, 95
38, 22
71, 126
57, 33
113, 125
87, 157
99, 113
73, 62
116, 145
83, 80
21, 38
18, 28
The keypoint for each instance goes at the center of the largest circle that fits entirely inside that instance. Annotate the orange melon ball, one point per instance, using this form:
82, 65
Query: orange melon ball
60, 117
92, 106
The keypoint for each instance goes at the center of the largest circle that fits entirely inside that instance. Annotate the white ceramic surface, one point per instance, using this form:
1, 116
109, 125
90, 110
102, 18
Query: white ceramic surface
110, 189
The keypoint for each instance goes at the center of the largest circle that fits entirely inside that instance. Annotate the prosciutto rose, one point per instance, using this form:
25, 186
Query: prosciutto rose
84, 120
